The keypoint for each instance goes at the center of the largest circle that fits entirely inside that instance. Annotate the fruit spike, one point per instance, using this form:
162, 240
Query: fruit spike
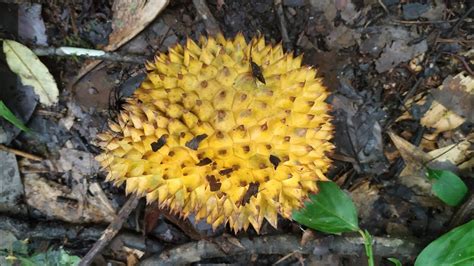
230, 131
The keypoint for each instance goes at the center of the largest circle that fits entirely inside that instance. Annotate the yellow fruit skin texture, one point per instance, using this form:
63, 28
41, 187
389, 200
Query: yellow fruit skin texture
208, 89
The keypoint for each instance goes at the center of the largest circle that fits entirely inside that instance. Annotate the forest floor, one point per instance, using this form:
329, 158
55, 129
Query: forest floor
404, 67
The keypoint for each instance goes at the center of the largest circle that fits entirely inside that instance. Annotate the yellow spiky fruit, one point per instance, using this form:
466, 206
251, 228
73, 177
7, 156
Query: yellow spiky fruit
233, 132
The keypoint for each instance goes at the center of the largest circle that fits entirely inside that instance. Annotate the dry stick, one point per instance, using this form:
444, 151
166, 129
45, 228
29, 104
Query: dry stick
282, 245
212, 26
111, 230
89, 53
463, 213
284, 31
20, 153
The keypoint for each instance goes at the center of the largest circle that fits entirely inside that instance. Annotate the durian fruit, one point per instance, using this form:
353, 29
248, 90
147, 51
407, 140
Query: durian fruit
230, 131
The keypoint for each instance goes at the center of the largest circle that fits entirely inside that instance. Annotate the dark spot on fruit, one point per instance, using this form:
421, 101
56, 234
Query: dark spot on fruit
275, 161
198, 102
246, 148
310, 103
251, 192
182, 135
204, 83
310, 117
213, 183
241, 127
204, 161
220, 135
264, 126
222, 152
193, 144
243, 97
221, 115
243, 183
262, 166
155, 146
222, 94
226, 171
267, 178
287, 138
268, 146
180, 76
309, 148
171, 153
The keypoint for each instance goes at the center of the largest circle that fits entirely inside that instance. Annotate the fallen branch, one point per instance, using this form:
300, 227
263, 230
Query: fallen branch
111, 230
283, 245
72, 233
89, 54
284, 32
212, 26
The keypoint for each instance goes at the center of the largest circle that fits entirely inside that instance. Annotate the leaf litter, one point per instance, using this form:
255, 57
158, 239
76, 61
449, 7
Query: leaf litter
371, 61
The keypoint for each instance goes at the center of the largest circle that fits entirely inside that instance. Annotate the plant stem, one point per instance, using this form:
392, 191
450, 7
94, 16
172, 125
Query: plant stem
368, 246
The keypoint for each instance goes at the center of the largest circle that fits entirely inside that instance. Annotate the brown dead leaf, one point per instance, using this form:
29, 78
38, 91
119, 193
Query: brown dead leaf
130, 18
63, 203
307, 236
457, 95
414, 157
441, 119
413, 175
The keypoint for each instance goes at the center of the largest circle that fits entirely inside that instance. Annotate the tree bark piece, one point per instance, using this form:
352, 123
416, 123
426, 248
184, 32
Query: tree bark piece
283, 245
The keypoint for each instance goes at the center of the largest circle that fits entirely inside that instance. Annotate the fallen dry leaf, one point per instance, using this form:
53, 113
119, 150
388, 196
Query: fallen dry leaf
32, 72
441, 119
457, 94
129, 19
61, 202
414, 173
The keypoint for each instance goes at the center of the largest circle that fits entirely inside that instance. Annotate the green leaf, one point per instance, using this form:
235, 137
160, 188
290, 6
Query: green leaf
330, 210
395, 261
447, 186
10, 117
453, 248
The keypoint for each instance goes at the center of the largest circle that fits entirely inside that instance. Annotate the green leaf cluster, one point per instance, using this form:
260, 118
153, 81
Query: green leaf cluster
331, 210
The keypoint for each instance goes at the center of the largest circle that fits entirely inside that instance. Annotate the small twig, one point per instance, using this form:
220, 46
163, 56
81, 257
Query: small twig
282, 245
212, 26
111, 230
281, 18
383, 6
464, 63
89, 53
424, 22
21, 153
462, 41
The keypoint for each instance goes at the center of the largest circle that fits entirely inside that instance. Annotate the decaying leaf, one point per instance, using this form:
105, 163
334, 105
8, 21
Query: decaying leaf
64, 203
457, 94
449, 106
414, 173
129, 19
441, 119
31, 71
